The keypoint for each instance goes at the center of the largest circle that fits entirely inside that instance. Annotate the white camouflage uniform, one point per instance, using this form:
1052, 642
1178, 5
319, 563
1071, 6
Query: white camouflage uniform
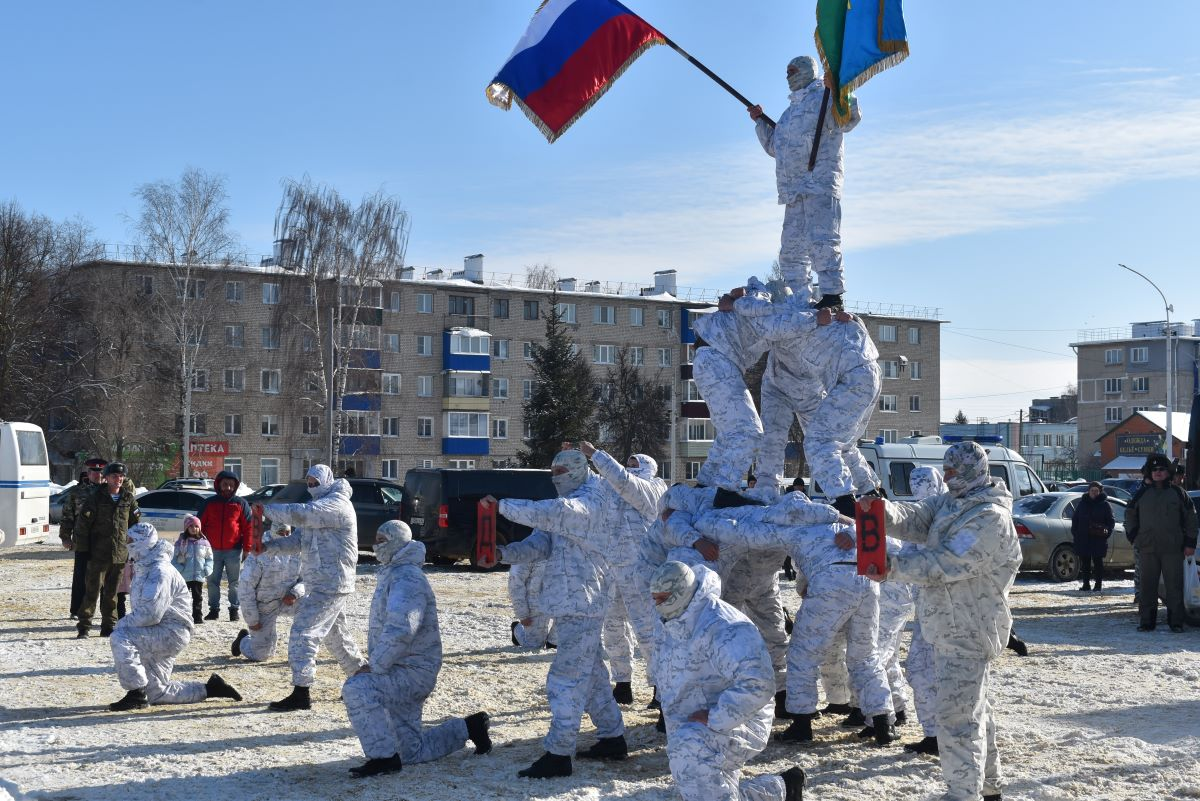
158, 626
568, 535
812, 217
404, 646
525, 591
328, 543
924, 481
265, 579
965, 567
714, 659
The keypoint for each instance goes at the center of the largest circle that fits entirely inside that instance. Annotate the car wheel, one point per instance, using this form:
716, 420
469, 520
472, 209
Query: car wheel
1064, 563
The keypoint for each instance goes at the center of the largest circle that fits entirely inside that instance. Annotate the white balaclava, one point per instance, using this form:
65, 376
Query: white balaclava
925, 482
396, 535
678, 580
970, 465
577, 472
324, 477
804, 74
144, 537
647, 468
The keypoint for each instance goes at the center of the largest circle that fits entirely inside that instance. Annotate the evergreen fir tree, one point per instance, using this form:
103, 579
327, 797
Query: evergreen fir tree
633, 413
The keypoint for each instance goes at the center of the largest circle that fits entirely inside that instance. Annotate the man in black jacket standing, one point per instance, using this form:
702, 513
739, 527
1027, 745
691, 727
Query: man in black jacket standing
1161, 524
102, 525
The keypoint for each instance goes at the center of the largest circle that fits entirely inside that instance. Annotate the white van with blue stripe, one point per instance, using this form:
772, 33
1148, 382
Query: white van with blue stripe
24, 484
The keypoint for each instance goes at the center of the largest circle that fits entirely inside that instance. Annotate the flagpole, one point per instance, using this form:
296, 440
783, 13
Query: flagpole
812, 157
741, 98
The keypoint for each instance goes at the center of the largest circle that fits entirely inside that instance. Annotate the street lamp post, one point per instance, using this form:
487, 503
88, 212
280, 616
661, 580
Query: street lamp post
1170, 359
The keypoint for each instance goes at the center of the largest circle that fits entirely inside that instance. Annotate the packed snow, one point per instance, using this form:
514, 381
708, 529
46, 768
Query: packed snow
1096, 711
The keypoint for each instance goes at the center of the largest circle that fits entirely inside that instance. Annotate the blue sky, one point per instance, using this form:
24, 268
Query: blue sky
999, 174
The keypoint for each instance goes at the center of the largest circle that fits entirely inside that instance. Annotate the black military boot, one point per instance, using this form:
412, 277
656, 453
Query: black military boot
299, 699
81, 631
928, 746
855, 718
217, 687
236, 648
610, 749
373, 767
478, 728
1016, 645
233, 614
799, 732
901, 717
213, 614
547, 766
885, 732
829, 302
513, 630
134, 699
660, 725
837, 709
654, 702
781, 712
106, 630
992, 797
793, 783
623, 692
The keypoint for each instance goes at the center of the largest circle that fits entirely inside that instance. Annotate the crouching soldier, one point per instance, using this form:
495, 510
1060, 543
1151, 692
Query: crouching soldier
270, 587
159, 625
384, 699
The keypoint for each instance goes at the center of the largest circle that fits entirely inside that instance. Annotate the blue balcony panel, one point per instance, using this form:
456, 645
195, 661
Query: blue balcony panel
360, 403
360, 446
465, 446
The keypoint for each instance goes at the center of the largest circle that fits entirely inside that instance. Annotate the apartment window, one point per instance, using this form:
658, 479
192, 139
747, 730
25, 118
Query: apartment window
914, 371
499, 387
270, 381
566, 312
424, 427
527, 351
144, 285
1139, 355
466, 424
699, 430
664, 357
462, 464
889, 435
394, 302
270, 428
235, 336
1141, 384
887, 403
914, 335
233, 425
362, 424
500, 428
424, 303
268, 471
461, 304
1112, 414
426, 463
359, 335
500, 308
390, 468
270, 294
424, 345
470, 344
530, 310
692, 392
527, 430
1058, 440
235, 379
391, 383
197, 335
664, 469
198, 424
915, 432
466, 385
312, 382
527, 389
890, 368
270, 337
234, 466
192, 289
604, 354
391, 343
310, 295
604, 315
637, 356
234, 291
637, 317
664, 318
887, 333
1113, 356
424, 386
1046, 439
1135, 410
500, 348
691, 470
914, 403
1112, 386
308, 343
391, 427
311, 425
200, 381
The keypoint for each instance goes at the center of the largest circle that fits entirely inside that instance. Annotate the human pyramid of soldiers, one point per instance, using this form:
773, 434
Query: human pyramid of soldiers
689, 572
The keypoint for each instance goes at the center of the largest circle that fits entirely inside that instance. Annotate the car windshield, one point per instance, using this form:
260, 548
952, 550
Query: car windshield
1033, 505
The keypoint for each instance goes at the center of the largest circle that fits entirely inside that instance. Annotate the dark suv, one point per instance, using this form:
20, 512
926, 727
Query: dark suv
376, 500
440, 506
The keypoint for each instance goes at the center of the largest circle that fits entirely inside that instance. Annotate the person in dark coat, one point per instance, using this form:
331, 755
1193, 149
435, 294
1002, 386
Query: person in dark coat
1160, 521
100, 529
1091, 526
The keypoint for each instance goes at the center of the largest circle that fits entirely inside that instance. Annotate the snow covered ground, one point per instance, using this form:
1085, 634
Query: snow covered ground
1096, 711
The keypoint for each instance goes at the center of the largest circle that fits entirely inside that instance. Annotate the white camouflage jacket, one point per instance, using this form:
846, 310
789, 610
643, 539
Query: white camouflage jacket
790, 144
158, 594
403, 627
265, 579
632, 508
327, 541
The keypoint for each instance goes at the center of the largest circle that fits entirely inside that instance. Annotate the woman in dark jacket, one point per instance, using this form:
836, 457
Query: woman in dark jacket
1091, 526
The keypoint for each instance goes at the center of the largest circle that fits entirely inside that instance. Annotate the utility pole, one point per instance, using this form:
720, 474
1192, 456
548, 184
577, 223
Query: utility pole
1170, 449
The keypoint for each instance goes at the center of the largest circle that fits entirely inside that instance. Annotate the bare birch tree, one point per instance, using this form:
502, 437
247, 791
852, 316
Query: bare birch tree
184, 227
540, 276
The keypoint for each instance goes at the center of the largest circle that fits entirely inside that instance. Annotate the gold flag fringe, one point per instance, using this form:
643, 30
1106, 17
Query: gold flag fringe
900, 52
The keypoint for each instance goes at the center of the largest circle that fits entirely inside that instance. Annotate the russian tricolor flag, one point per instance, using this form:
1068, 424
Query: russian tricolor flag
570, 55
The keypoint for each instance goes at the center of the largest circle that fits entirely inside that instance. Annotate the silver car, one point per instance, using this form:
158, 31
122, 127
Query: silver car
165, 509
1043, 524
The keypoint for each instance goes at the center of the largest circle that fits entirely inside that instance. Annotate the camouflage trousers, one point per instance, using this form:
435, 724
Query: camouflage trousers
895, 608
321, 618
731, 408
753, 587
259, 646
966, 728
918, 669
835, 681
707, 765
576, 683
617, 637
812, 241
385, 710
145, 657
539, 632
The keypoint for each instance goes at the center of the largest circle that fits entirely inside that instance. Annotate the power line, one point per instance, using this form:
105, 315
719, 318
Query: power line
1011, 345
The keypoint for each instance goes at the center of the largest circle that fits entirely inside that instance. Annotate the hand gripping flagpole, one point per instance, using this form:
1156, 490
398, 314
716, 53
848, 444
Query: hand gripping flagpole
741, 98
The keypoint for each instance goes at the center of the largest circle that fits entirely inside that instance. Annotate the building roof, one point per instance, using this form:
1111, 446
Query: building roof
1125, 463
1180, 423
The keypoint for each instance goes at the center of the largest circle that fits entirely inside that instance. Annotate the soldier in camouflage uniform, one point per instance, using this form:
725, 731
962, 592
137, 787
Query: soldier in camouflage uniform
100, 529
72, 504
966, 563
270, 586
533, 628
717, 688
812, 199
924, 481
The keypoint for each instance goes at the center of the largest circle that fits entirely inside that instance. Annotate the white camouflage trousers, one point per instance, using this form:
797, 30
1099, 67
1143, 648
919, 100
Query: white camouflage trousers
812, 240
618, 637
753, 587
835, 681
145, 657
259, 646
385, 710
576, 683
707, 765
966, 728
918, 668
739, 429
820, 617
539, 632
895, 608
321, 618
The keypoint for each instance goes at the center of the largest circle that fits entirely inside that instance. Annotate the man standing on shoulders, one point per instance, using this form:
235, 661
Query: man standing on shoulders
100, 529
71, 506
1161, 523
225, 519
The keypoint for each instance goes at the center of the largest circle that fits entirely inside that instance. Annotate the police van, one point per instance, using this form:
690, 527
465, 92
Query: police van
24, 484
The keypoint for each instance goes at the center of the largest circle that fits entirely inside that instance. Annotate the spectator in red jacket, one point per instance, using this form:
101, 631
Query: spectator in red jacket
225, 519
